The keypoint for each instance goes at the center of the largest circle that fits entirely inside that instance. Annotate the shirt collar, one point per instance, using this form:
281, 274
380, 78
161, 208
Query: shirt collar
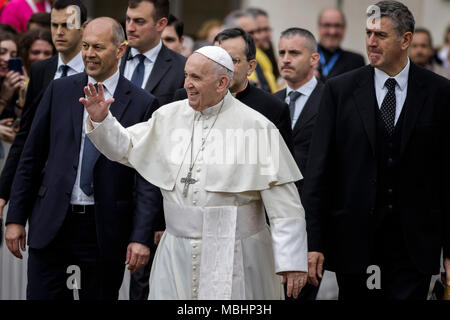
401, 78
151, 54
110, 83
208, 112
75, 64
306, 89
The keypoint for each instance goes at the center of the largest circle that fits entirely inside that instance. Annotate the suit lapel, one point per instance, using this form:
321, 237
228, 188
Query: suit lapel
124, 60
52, 68
121, 97
309, 110
364, 96
77, 108
160, 67
415, 100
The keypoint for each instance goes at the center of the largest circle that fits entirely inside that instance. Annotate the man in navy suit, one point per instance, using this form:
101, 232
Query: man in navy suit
86, 214
67, 62
298, 57
149, 64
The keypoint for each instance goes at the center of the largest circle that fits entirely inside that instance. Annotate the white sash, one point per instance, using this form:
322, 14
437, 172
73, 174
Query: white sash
221, 230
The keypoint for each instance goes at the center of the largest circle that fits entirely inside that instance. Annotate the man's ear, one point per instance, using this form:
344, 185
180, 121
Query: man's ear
121, 50
224, 83
315, 58
161, 24
252, 66
406, 40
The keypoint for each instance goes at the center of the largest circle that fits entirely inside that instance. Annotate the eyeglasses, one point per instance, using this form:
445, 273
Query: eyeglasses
330, 25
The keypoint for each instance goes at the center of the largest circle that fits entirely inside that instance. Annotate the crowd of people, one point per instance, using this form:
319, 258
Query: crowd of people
112, 131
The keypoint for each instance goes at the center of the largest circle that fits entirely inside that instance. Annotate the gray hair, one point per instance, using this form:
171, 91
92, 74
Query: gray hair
118, 33
221, 70
231, 20
402, 19
311, 42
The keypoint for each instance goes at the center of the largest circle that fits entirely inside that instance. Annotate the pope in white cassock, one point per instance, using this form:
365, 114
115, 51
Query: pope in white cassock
218, 163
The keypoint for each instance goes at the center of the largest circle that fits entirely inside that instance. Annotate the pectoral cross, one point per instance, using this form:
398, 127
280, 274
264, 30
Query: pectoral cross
187, 181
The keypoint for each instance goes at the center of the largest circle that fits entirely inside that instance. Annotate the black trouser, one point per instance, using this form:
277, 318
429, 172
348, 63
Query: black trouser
139, 281
75, 245
399, 278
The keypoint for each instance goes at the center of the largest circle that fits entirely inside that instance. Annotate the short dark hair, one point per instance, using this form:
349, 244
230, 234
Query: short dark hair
8, 29
402, 19
161, 7
5, 36
177, 24
28, 38
311, 41
43, 19
250, 49
62, 4
428, 33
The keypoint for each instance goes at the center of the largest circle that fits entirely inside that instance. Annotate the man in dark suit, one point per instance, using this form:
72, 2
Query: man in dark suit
241, 47
84, 211
334, 60
297, 59
377, 187
68, 62
149, 64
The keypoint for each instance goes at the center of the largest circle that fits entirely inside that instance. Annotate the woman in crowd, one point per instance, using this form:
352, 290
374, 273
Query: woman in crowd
35, 45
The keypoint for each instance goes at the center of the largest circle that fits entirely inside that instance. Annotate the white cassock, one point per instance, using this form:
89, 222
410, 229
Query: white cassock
217, 244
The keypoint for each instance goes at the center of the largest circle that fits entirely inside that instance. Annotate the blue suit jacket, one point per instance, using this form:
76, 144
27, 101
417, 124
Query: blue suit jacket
126, 206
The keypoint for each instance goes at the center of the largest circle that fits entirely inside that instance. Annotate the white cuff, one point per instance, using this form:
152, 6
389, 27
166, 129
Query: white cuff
290, 245
91, 125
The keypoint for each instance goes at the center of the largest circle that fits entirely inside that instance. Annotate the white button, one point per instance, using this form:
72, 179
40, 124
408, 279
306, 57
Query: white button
199, 170
194, 246
194, 256
195, 289
194, 202
194, 268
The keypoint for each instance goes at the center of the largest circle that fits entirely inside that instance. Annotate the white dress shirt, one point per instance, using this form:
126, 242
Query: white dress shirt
401, 89
306, 91
76, 65
149, 62
78, 196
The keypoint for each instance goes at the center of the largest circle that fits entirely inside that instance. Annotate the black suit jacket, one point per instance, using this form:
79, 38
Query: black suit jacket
347, 61
341, 182
302, 132
272, 108
41, 74
125, 204
167, 74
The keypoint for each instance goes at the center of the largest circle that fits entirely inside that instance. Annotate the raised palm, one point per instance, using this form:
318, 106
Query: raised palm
95, 102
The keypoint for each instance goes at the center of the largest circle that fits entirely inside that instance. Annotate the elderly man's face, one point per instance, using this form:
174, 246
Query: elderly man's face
331, 29
100, 54
421, 51
201, 82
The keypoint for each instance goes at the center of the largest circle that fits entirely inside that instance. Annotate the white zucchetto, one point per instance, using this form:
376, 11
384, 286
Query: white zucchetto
218, 55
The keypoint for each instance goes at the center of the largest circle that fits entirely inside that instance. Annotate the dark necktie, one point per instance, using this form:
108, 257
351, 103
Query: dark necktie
388, 106
262, 78
293, 96
138, 74
64, 68
90, 156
